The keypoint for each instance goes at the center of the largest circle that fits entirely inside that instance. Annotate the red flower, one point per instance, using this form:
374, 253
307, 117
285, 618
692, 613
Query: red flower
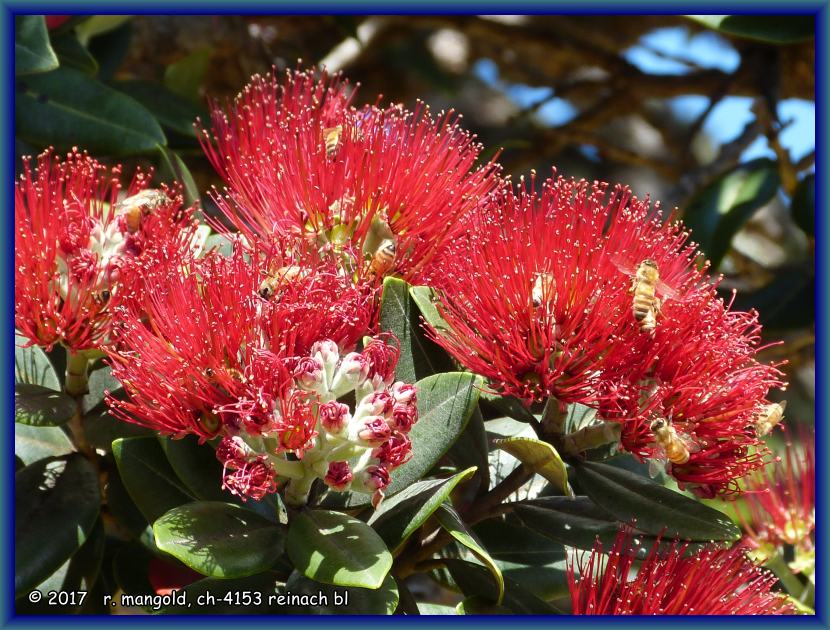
299, 160
76, 258
54, 21
714, 581
782, 503
536, 294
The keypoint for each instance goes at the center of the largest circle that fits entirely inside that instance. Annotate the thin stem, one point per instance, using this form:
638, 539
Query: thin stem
77, 366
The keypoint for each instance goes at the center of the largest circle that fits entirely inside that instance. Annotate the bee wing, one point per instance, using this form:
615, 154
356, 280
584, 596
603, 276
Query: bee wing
656, 465
667, 292
623, 264
691, 444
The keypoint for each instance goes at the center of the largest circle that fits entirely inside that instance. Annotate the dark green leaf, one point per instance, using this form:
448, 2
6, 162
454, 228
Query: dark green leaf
171, 110
471, 450
475, 580
130, 569
173, 169
72, 53
66, 108
197, 467
341, 600
803, 206
425, 608
102, 428
787, 302
148, 477
426, 299
32, 52
716, 213
56, 506
42, 407
335, 548
98, 25
231, 597
507, 406
654, 509
508, 540
773, 29
100, 381
219, 539
185, 77
480, 606
34, 443
445, 404
399, 315
110, 49
128, 519
402, 514
32, 366
451, 521
576, 522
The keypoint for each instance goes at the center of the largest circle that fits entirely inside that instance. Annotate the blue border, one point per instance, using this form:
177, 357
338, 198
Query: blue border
208, 7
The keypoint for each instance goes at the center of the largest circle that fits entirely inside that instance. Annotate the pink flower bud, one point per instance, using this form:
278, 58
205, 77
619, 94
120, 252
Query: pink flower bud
374, 431
395, 451
326, 350
339, 475
308, 373
334, 416
380, 403
254, 480
404, 393
376, 477
233, 452
382, 359
403, 417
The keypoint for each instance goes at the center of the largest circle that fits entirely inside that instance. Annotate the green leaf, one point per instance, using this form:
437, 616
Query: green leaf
426, 299
471, 450
509, 541
361, 601
426, 608
173, 169
34, 443
335, 548
185, 77
402, 514
480, 606
508, 405
32, 52
716, 213
100, 24
129, 521
196, 466
773, 29
66, 108
803, 205
42, 407
110, 49
56, 506
219, 539
219, 242
475, 581
231, 597
148, 477
102, 428
445, 404
655, 509
72, 53
451, 521
540, 457
31, 365
576, 522
420, 357
171, 110
100, 381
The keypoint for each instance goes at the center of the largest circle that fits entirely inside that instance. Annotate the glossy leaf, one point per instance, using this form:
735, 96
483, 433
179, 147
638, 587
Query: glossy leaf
509, 541
508, 406
31, 365
576, 522
129, 523
540, 457
148, 476
185, 76
66, 108
470, 449
72, 53
399, 315
480, 606
56, 506
786, 302
338, 549
402, 514
445, 404
219, 539
32, 51
99, 24
341, 600
803, 205
717, 212
34, 443
42, 407
425, 608
173, 169
451, 521
773, 29
426, 299
654, 509
236, 596
102, 428
171, 110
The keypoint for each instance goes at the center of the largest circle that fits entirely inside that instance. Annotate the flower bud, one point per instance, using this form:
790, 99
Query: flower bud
395, 451
233, 452
374, 431
254, 480
308, 373
403, 417
382, 359
334, 417
327, 351
404, 392
339, 475
353, 370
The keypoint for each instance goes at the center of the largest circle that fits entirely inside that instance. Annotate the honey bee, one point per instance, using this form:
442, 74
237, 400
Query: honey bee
674, 446
137, 206
273, 283
769, 417
543, 287
331, 138
645, 285
102, 297
384, 258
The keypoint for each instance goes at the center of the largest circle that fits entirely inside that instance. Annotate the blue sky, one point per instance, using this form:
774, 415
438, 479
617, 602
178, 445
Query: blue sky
663, 52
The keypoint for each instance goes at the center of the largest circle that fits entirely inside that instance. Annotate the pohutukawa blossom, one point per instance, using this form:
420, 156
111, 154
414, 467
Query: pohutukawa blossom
81, 239
381, 191
537, 292
714, 581
782, 502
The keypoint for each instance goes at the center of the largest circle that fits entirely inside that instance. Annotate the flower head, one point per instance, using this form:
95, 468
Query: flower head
381, 191
713, 581
79, 250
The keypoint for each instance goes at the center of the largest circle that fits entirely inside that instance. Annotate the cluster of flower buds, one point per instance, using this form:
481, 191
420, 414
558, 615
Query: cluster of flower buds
318, 436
